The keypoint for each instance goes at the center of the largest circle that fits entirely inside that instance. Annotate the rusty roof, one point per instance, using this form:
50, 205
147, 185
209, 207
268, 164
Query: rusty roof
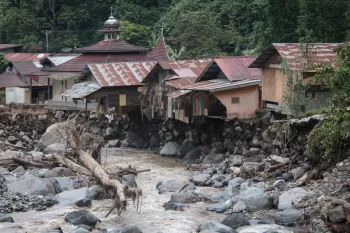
79, 63
121, 74
81, 90
59, 59
180, 82
178, 93
9, 46
216, 85
28, 67
159, 52
116, 46
11, 57
236, 68
318, 53
196, 66
11, 80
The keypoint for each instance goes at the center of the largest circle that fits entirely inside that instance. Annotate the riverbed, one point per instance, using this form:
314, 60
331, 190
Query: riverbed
151, 218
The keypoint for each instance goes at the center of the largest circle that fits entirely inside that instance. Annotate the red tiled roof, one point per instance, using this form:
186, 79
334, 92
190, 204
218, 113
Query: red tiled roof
9, 46
318, 53
11, 80
159, 52
121, 74
79, 63
11, 57
236, 68
116, 46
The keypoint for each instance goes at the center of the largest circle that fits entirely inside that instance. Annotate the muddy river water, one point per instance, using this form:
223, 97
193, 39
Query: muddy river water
152, 217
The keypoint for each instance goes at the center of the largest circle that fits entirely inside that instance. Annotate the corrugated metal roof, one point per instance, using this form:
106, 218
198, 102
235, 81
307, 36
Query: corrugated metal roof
9, 46
27, 67
11, 80
159, 52
179, 83
121, 74
186, 73
81, 90
59, 59
220, 85
196, 66
318, 53
116, 46
179, 93
79, 63
236, 68
11, 57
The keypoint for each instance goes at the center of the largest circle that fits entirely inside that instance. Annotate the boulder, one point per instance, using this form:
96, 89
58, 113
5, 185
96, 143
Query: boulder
155, 140
65, 184
237, 160
279, 159
280, 184
193, 156
336, 214
133, 140
18, 172
3, 170
251, 192
125, 229
287, 177
82, 217
214, 159
187, 197
239, 207
201, 179
249, 169
185, 147
54, 134
293, 196
297, 172
235, 221
6, 218
236, 182
58, 172
129, 180
55, 148
80, 230
219, 207
174, 185
114, 143
264, 228
257, 203
170, 149
71, 197
32, 186
216, 227
288, 217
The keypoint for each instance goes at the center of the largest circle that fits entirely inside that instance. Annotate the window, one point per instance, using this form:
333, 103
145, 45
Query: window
122, 100
235, 100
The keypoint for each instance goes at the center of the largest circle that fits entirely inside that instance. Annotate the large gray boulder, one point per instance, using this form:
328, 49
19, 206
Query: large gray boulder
170, 149
125, 229
216, 227
82, 217
54, 134
251, 192
214, 159
32, 186
257, 203
219, 207
58, 172
264, 228
193, 156
55, 148
173, 185
186, 147
133, 140
236, 182
337, 214
201, 179
293, 196
235, 221
187, 197
73, 196
288, 217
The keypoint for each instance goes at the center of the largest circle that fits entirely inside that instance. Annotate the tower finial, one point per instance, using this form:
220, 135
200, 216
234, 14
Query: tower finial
162, 29
111, 11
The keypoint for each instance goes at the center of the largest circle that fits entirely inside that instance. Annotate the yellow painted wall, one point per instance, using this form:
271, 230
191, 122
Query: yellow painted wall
273, 85
248, 102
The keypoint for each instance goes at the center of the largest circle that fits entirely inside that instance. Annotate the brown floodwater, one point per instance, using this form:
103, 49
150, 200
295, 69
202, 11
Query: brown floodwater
152, 217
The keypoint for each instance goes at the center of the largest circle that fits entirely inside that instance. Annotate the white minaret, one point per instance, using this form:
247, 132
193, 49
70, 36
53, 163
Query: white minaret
112, 28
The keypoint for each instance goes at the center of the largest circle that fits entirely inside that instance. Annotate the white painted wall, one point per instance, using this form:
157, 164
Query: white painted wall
17, 95
59, 87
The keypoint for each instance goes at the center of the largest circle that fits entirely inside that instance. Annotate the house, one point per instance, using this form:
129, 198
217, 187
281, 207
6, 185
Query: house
110, 50
11, 48
227, 89
111, 85
300, 60
23, 80
170, 76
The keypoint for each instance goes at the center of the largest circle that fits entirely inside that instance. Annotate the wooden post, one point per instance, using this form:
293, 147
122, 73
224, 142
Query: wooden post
98, 107
30, 101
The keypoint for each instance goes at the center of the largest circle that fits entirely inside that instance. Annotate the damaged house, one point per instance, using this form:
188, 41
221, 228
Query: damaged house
220, 88
110, 50
301, 60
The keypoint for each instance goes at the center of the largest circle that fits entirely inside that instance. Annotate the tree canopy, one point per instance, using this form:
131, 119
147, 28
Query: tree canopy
198, 28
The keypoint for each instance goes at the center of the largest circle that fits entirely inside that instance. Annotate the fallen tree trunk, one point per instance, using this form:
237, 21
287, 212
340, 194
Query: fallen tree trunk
71, 165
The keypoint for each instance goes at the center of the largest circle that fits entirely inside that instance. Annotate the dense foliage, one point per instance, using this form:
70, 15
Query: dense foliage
197, 28
330, 140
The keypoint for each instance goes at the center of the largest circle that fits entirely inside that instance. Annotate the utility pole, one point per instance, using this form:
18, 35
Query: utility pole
47, 39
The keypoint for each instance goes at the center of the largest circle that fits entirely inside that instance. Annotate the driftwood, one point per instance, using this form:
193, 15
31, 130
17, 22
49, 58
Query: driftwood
30, 163
71, 165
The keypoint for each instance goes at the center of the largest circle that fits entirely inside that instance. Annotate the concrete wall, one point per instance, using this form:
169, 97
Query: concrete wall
248, 102
79, 105
17, 95
60, 86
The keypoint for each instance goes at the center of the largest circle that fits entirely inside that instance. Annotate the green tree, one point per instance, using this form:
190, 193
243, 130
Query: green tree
136, 34
3, 62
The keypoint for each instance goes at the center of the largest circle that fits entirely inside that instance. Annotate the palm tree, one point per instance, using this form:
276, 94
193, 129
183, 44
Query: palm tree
174, 54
